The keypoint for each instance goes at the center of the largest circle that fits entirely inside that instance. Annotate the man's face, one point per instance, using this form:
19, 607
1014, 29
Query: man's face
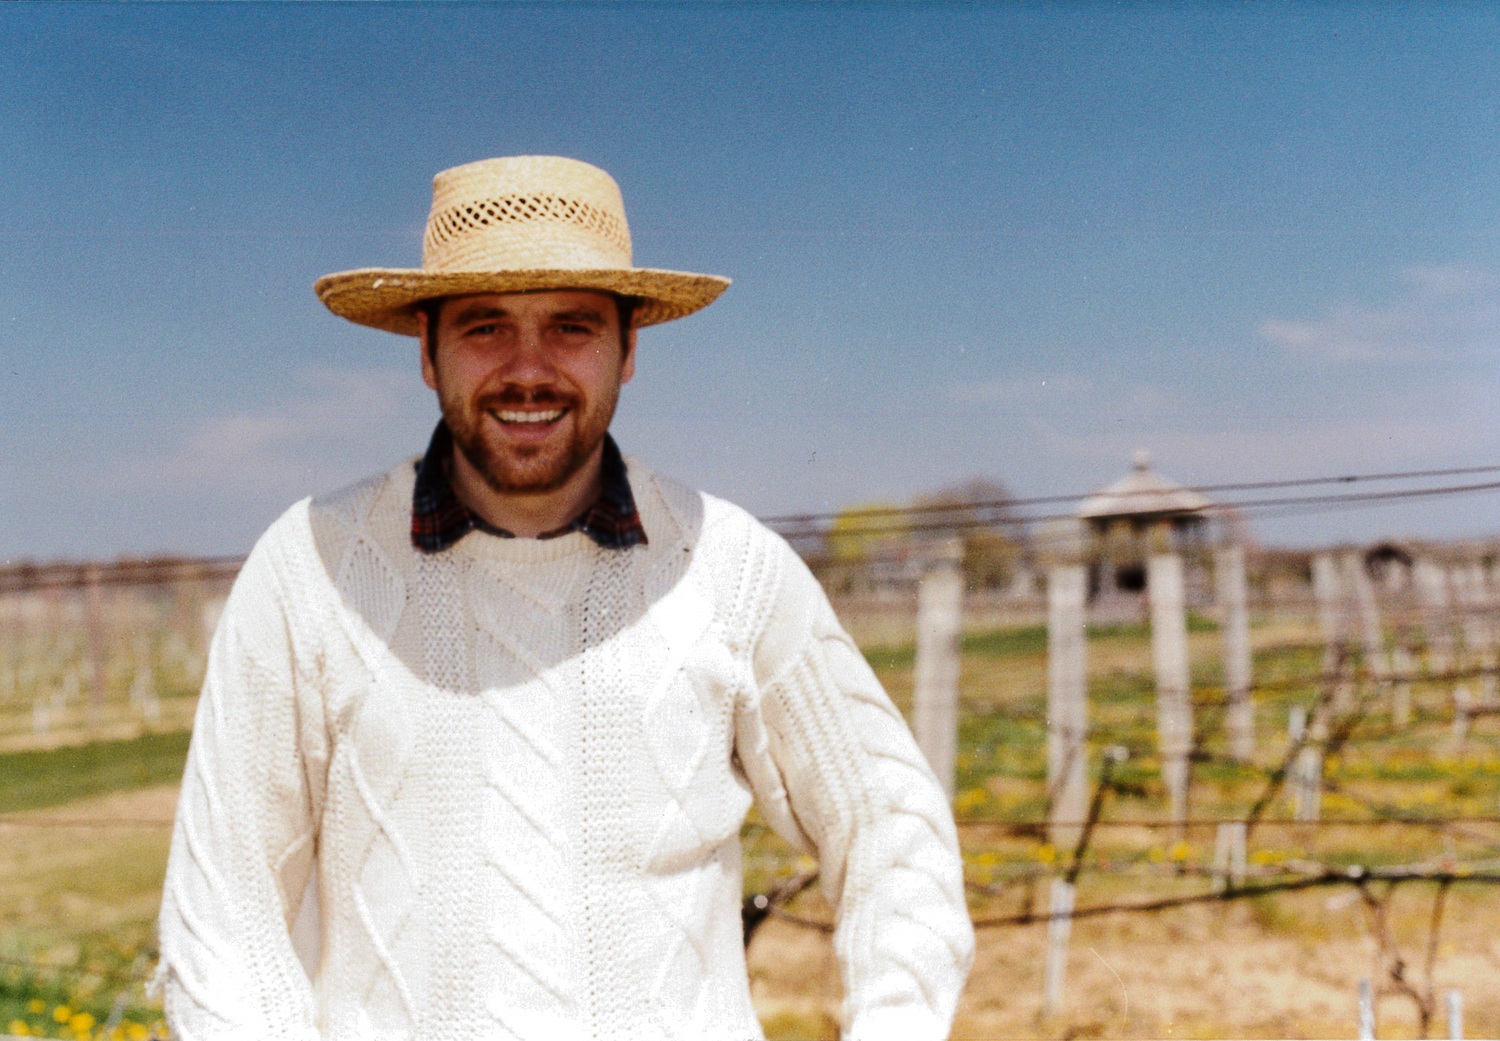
528, 382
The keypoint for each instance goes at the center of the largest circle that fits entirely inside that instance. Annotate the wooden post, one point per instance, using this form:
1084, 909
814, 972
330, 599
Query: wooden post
1059, 926
940, 598
1239, 721
1067, 686
1174, 706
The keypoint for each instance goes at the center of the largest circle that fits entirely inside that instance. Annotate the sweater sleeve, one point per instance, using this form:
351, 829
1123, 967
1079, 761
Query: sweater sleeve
243, 848
860, 793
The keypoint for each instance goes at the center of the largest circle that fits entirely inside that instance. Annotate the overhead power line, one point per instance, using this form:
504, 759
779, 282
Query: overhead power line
1048, 500
890, 521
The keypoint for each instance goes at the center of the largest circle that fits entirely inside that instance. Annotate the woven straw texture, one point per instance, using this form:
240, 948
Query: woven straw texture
518, 224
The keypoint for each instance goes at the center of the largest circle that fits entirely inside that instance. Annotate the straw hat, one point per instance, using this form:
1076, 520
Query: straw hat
512, 225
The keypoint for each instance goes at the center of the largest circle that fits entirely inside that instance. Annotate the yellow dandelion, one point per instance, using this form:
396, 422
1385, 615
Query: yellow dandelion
989, 858
62, 1014
1181, 851
970, 799
1047, 853
36, 1006
81, 1022
19, 1028
136, 1032
1156, 854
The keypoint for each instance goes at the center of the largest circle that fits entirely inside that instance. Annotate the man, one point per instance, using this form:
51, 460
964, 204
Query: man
478, 735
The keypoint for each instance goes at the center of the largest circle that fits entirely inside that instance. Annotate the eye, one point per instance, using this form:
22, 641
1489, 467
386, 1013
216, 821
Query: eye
487, 329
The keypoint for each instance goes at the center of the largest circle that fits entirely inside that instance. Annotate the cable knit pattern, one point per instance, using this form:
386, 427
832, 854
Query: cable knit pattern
517, 772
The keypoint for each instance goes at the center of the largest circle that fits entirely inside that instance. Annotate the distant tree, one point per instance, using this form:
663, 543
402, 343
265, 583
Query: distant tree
869, 529
978, 512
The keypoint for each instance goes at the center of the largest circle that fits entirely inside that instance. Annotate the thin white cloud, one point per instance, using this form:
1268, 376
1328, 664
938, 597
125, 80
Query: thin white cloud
1443, 311
336, 424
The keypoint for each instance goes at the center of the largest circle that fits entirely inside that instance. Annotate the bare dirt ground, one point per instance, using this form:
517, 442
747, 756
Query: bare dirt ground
76, 875
1288, 969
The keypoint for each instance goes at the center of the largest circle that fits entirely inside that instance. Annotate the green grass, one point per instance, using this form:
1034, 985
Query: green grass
34, 780
1022, 641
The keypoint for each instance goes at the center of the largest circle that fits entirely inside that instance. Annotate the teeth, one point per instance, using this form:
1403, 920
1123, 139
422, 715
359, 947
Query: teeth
529, 417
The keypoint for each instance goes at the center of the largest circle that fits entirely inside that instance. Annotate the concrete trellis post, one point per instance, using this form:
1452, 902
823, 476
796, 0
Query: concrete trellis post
1174, 706
93, 606
1229, 572
1455, 1015
1402, 665
1371, 633
1329, 592
143, 697
1326, 590
1432, 594
1463, 706
1478, 630
1067, 684
940, 598
193, 622
1229, 855
1059, 927
1307, 768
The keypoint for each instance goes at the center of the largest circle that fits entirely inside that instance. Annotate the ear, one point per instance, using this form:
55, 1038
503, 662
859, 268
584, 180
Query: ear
429, 373
627, 367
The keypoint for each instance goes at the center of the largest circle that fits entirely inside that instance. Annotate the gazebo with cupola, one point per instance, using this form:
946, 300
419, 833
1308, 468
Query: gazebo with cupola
1140, 513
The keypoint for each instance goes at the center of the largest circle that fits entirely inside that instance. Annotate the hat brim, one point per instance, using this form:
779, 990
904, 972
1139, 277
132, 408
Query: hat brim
388, 299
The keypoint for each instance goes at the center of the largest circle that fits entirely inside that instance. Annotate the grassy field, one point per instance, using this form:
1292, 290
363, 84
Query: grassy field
84, 844
49, 777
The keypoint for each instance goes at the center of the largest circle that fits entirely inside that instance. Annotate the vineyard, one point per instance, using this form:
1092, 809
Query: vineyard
1255, 914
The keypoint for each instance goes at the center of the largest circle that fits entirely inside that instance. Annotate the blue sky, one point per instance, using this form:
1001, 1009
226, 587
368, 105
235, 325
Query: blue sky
1013, 241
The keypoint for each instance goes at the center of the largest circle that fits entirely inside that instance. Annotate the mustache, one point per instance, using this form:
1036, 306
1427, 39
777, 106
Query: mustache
513, 397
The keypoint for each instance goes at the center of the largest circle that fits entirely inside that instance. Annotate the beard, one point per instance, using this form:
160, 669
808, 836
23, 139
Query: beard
526, 469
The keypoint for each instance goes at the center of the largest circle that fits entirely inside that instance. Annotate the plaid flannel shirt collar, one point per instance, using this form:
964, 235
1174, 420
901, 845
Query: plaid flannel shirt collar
439, 519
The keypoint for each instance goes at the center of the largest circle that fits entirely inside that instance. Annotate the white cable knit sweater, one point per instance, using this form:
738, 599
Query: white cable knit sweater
520, 769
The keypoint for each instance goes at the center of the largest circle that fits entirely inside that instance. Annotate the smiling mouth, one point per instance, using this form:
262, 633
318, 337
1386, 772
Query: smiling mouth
528, 418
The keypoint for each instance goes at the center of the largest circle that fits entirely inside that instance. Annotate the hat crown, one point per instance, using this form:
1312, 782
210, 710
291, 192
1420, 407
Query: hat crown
530, 212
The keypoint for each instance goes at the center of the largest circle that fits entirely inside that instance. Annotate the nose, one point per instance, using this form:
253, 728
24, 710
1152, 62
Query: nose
529, 364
